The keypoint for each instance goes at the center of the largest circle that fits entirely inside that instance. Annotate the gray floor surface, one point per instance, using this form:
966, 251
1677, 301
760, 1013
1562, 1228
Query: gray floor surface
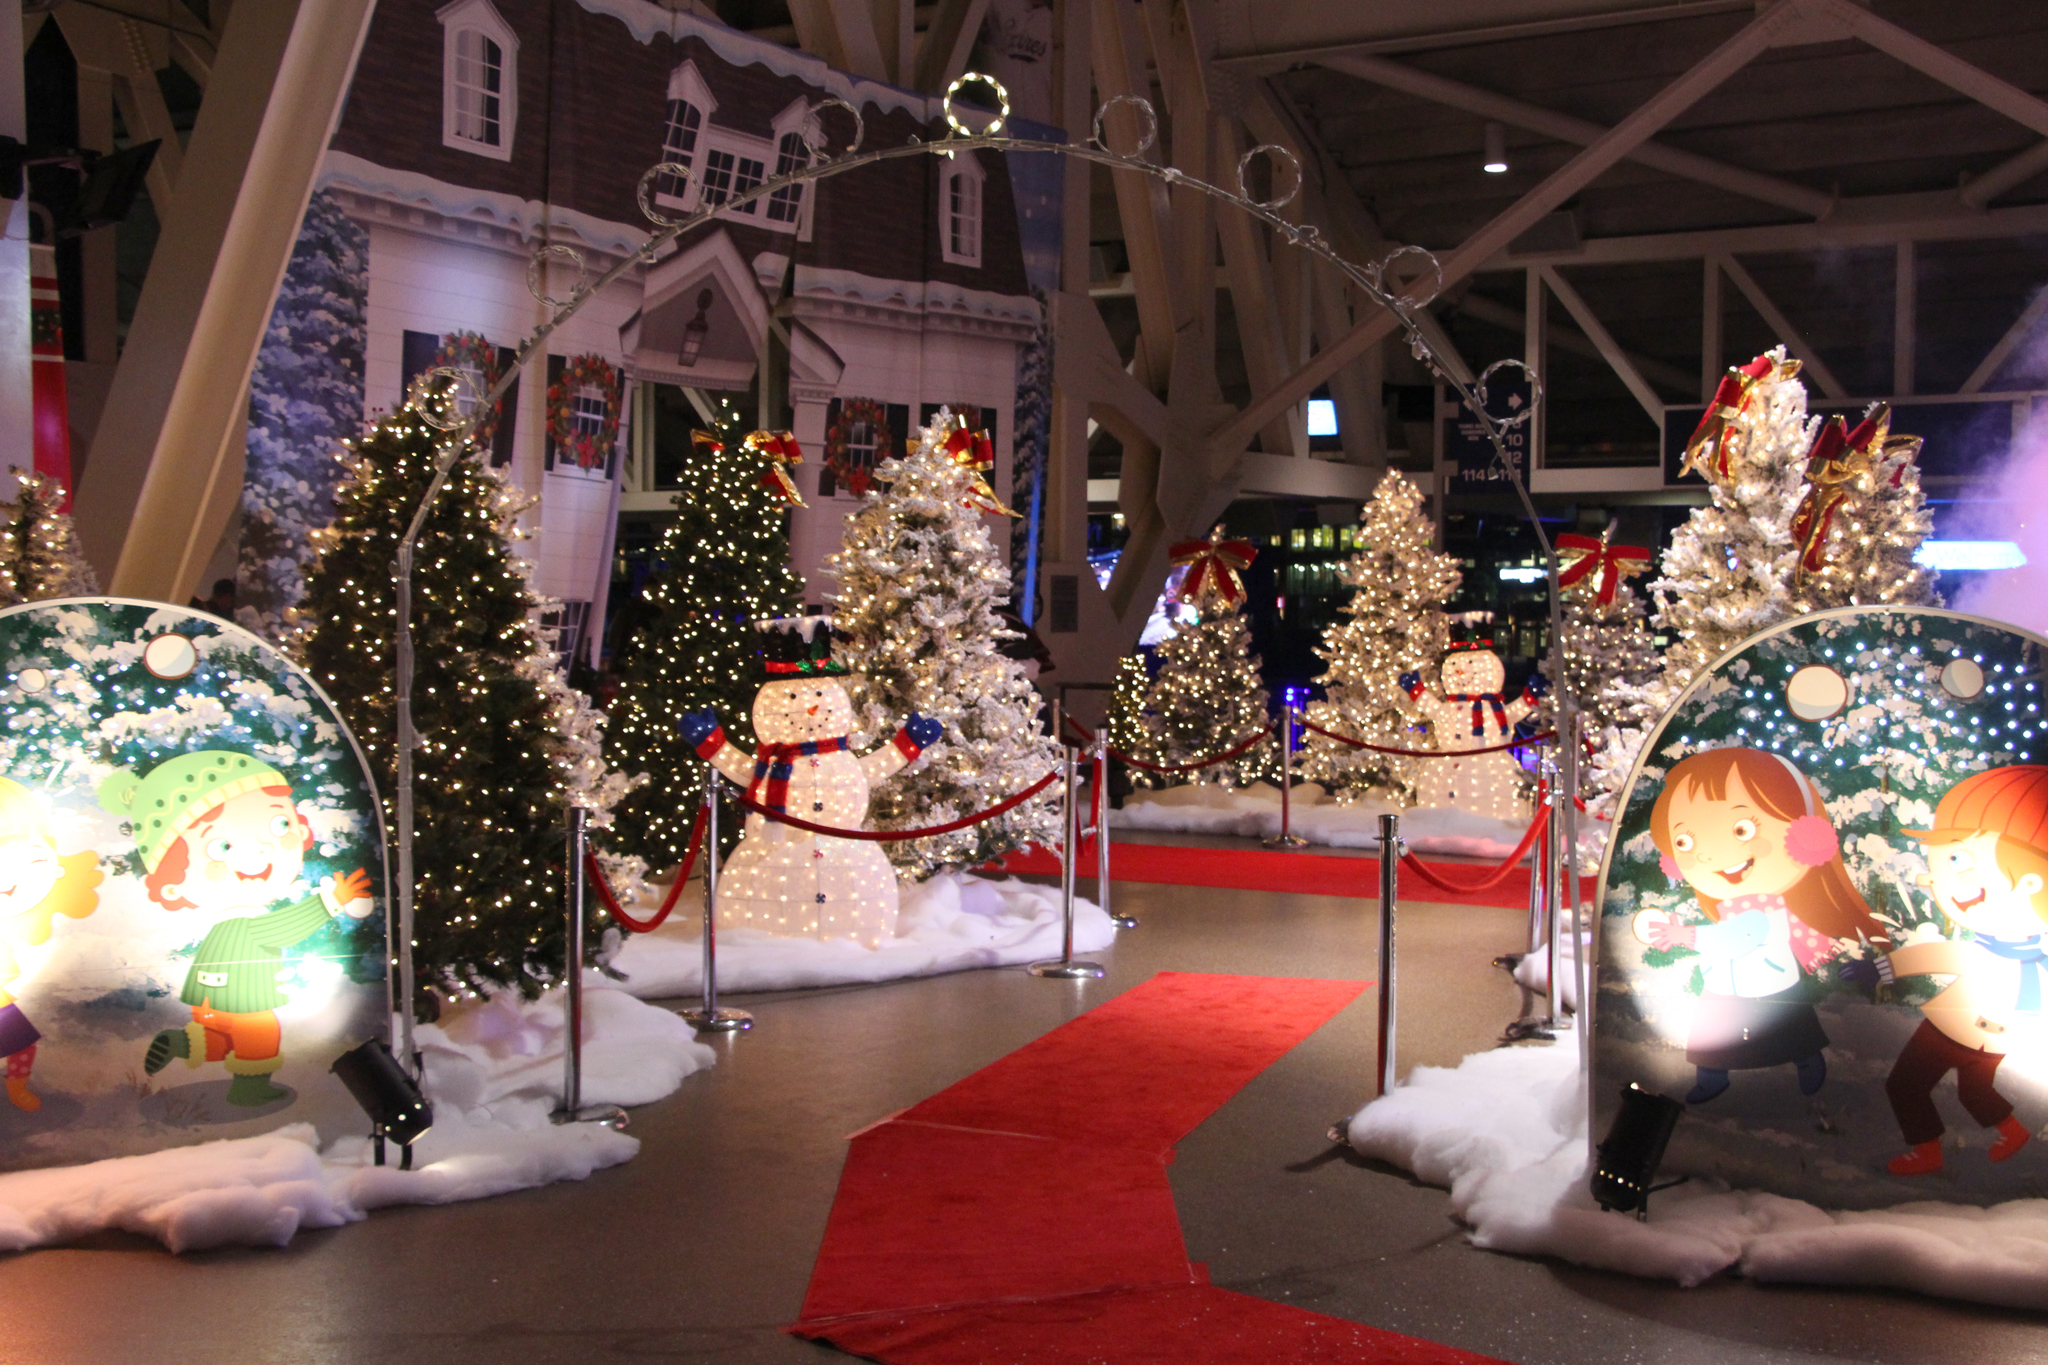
699, 1250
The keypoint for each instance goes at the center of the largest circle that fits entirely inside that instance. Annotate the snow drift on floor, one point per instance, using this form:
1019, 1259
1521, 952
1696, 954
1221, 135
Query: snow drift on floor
1503, 1132
494, 1074
950, 923
1255, 812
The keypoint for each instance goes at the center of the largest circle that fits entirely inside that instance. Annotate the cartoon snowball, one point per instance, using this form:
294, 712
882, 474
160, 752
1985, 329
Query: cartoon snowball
785, 880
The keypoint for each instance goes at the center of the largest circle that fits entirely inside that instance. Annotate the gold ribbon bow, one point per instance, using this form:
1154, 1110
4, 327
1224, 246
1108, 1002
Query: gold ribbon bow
972, 450
1710, 450
1840, 456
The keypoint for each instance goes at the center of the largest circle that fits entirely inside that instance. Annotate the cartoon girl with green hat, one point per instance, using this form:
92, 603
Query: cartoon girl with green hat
217, 831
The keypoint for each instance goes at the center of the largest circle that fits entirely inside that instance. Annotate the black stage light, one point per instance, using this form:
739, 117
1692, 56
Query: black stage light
108, 193
1627, 1160
391, 1098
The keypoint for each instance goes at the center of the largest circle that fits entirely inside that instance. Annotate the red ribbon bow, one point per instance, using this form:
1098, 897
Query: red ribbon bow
1710, 449
1838, 456
780, 449
973, 450
1584, 555
1213, 566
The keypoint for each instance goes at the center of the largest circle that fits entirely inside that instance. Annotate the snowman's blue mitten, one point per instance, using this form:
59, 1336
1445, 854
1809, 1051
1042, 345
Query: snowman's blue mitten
1537, 688
924, 730
1411, 683
702, 732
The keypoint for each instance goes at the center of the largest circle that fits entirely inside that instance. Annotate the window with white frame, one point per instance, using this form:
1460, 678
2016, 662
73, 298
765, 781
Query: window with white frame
587, 418
786, 205
480, 79
960, 210
729, 174
690, 105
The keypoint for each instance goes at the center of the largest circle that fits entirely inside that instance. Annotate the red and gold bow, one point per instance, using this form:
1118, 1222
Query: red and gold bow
1213, 565
1710, 450
973, 450
1584, 557
1840, 456
780, 450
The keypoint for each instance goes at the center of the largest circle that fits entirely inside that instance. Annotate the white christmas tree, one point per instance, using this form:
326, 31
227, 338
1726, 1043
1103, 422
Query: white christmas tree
1861, 519
920, 585
1395, 625
39, 555
1611, 664
1207, 697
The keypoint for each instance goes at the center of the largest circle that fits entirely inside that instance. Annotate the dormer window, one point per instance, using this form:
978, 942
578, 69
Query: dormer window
786, 205
690, 106
479, 79
960, 210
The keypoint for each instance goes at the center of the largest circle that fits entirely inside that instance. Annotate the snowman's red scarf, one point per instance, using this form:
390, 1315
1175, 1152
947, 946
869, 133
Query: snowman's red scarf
1480, 701
773, 764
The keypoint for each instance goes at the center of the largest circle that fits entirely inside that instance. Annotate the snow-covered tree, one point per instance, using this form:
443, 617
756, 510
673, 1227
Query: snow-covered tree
506, 745
1395, 625
920, 586
721, 565
305, 400
1207, 697
1861, 519
39, 555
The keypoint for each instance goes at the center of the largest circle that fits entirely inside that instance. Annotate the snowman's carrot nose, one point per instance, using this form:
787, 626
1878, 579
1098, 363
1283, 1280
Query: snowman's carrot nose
810, 710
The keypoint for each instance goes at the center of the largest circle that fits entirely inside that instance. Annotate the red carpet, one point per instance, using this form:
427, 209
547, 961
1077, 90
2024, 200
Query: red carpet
1266, 869
1025, 1215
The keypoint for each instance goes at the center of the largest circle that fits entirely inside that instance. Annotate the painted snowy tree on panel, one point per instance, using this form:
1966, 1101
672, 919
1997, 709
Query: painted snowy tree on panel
305, 399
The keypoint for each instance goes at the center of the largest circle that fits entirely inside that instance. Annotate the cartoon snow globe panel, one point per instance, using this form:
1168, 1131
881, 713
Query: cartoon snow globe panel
1824, 914
192, 889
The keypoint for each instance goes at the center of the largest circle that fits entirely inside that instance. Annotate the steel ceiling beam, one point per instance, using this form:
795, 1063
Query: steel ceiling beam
1534, 118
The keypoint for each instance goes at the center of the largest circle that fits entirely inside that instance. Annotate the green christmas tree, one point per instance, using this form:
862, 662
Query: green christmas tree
920, 588
39, 555
506, 747
1127, 705
1207, 697
1395, 625
721, 565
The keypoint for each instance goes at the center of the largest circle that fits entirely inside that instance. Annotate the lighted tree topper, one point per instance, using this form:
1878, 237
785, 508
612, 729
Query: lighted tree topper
792, 882
1824, 894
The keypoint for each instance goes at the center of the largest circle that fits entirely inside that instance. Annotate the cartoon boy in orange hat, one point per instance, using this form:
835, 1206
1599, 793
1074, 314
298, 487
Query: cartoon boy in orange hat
1987, 859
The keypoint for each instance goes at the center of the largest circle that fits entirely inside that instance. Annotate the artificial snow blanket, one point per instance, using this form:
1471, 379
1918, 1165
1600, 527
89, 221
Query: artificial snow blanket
949, 923
1504, 1132
1254, 811
494, 1074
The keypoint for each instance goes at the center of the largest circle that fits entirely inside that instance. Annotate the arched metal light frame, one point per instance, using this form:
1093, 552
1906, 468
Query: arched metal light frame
1372, 279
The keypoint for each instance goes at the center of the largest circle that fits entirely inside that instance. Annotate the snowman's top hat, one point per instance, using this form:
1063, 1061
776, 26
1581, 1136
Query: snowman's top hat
798, 647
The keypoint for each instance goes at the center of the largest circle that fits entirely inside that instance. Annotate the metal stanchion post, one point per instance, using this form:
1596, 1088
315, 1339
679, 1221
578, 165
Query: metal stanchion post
1551, 848
1286, 839
573, 1109
1102, 832
709, 1018
1390, 880
1070, 821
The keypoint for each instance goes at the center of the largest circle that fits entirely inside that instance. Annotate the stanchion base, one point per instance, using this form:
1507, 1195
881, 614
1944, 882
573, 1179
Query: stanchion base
1285, 841
1124, 921
717, 1021
610, 1115
1068, 971
1527, 1030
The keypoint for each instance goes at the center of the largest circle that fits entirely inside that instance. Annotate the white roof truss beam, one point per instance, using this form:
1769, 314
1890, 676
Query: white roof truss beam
1781, 326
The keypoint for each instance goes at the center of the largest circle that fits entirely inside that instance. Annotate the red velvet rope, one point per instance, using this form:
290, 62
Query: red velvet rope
1492, 879
891, 835
668, 902
1307, 724
1123, 757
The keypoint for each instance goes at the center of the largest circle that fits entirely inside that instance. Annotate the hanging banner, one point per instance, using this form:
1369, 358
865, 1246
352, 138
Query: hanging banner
192, 886
1824, 914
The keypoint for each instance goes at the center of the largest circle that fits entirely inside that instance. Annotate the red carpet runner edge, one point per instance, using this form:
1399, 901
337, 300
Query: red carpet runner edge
1261, 869
1024, 1214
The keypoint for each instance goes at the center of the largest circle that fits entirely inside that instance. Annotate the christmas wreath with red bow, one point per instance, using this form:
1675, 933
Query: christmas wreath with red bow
578, 373
838, 451
469, 351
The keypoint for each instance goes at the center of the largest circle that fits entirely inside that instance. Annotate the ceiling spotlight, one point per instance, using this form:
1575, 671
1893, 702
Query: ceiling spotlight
1496, 149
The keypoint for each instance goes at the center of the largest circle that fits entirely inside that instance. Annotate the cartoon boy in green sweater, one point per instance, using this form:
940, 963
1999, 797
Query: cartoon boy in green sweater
217, 831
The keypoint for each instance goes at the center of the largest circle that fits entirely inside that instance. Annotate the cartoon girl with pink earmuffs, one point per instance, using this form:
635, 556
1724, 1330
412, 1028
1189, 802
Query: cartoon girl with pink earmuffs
1748, 831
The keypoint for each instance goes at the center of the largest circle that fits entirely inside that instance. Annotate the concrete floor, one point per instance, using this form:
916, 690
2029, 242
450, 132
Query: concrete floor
699, 1250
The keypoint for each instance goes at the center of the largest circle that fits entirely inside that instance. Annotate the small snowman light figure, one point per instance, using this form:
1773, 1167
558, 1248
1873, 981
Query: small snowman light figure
785, 880
1470, 714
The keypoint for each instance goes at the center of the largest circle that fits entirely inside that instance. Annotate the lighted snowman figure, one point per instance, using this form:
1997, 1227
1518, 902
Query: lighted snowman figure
788, 881
1470, 713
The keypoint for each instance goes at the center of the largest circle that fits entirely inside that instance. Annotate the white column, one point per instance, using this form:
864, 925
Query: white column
17, 383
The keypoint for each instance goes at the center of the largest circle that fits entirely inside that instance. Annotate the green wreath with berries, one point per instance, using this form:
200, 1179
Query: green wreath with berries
578, 373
